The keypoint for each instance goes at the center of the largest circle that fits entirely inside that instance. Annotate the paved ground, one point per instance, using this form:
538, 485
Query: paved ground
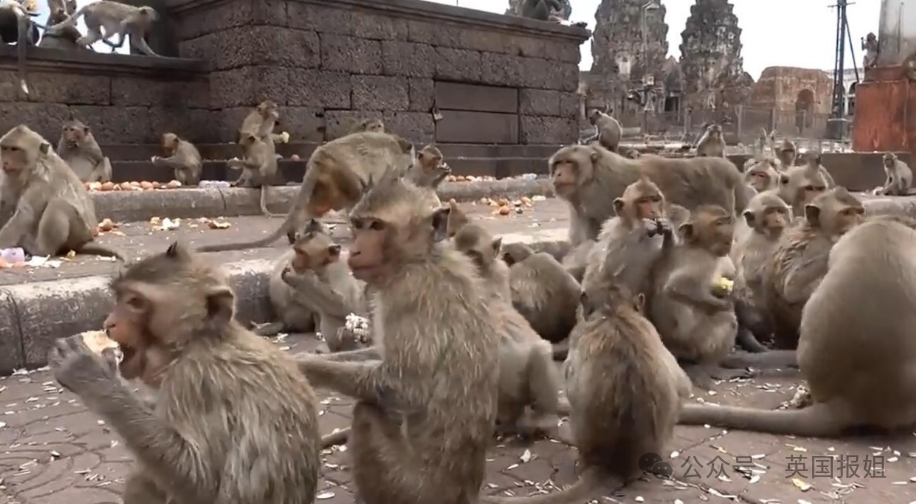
54, 451
138, 239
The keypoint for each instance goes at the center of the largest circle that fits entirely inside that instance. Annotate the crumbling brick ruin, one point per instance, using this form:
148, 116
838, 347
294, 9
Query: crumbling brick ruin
482, 85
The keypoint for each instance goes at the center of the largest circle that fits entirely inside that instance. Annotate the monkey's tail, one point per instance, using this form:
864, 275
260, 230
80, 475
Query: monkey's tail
101, 250
57, 29
819, 420
335, 438
22, 43
592, 483
264, 198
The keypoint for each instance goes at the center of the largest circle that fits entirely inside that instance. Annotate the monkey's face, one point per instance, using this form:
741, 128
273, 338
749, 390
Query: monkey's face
375, 126
774, 220
15, 159
712, 229
268, 109
787, 156
314, 251
169, 143
128, 326
847, 217
889, 161
432, 167
455, 221
649, 207
811, 190
372, 241
471, 241
593, 117
74, 134
760, 179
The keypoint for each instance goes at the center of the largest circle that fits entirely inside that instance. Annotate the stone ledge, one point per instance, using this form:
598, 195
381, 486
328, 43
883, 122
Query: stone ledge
134, 206
33, 315
109, 65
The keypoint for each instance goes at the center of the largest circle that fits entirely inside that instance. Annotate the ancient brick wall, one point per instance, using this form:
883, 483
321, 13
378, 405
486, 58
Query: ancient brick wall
492, 78
781, 88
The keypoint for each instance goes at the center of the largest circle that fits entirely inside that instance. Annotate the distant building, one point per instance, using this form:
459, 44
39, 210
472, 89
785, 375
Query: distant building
849, 88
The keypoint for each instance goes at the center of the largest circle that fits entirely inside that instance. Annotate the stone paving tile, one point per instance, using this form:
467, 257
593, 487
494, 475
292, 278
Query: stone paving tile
138, 239
54, 451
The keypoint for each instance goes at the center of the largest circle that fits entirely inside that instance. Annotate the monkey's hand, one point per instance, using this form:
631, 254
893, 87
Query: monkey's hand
77, 368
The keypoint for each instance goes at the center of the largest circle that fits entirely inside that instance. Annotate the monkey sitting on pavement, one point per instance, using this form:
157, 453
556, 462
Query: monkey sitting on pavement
899, 176
174, 323
433, 395
259, 167
624, 390
261, 123
44, 207
115, 18
78, 148
322, 282
711, 144
182, 157
856, 340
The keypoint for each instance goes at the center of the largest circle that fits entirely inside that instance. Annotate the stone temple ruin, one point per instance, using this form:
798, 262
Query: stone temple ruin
660, 95
496, 93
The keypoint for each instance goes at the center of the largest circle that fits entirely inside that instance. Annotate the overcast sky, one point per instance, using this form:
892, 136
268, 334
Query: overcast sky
805, 39
769, 37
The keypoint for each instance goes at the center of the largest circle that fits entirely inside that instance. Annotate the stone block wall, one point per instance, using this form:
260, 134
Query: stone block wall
433, 72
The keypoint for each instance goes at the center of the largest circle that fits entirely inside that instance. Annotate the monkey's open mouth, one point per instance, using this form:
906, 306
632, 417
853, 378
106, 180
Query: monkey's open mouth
132, 362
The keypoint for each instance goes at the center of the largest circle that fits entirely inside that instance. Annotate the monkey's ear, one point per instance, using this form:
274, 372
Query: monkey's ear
439, 220
812, 212
177, 251
85, 130
749, 217
686, 230
618, 205
312, 226
783, 180
220, 305
496, 244
595, 155
639, 302
44, 148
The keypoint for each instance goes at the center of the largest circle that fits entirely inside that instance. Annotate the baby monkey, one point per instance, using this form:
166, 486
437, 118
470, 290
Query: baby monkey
114, 18
429, 169
899, 176
182, 157
323, 283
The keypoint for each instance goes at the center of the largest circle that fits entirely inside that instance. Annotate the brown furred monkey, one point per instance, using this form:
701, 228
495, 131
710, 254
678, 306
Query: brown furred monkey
259, 167
321, 281
607, 130
590, 178
856, 339
374, 125
899, 177
799, 185
542, 291
433, 395
44, 207
79, 149
799, 260
762, 173
692, 309
527, 375
711, 144
624, 389
429, 169
105, 18
174, 322
813, 160
334, 179
261, 123
182, 157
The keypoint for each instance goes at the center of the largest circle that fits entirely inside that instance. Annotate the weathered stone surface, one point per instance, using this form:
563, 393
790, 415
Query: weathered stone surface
70, 89
248, 86
319, 88
414, 126
256, 45
477, 127
128, 125
569, 104
454, 96
407, 58
11, 355
539, 102
547, 130
351, 54
304, 123
457, 64
422, 94
501, 70
380, 92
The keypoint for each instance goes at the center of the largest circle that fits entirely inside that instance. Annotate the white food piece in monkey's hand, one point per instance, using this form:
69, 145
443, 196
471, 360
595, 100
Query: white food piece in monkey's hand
98, 341
284, 137
358, 326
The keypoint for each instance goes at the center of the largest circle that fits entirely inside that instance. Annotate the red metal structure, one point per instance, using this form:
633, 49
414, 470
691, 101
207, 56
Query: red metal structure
885, 118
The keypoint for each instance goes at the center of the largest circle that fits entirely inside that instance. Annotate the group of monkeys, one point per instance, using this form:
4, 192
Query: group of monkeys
103, 18
670, 263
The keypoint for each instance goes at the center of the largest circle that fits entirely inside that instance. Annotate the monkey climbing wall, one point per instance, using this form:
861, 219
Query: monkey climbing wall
432, 72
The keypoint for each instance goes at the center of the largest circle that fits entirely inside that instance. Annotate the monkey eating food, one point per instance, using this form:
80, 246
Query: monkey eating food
711, 144
79, 149
433, 395
44, 207
259, 167
182, 157
429, 169
174, 323
852, 354
261, 123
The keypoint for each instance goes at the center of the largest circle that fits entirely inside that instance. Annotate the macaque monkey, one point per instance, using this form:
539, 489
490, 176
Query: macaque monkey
291, 314
15, 25
78, 148
692, 302
762, 173
336, 174
766, 142
540, 9
813, 159
624, 390
115, 18
899, 176
633, 154
374, 125
766, 217
261, 123
799, 185
259, 167
607, 130
456, 220
322, 282
872, 48
576, 260
429, 169
590, 178
44, 207
181, 156
799, 260
66, 38
527, 376
711, 144
174, 323
787, 153
542, 291
433, 394
856, 334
